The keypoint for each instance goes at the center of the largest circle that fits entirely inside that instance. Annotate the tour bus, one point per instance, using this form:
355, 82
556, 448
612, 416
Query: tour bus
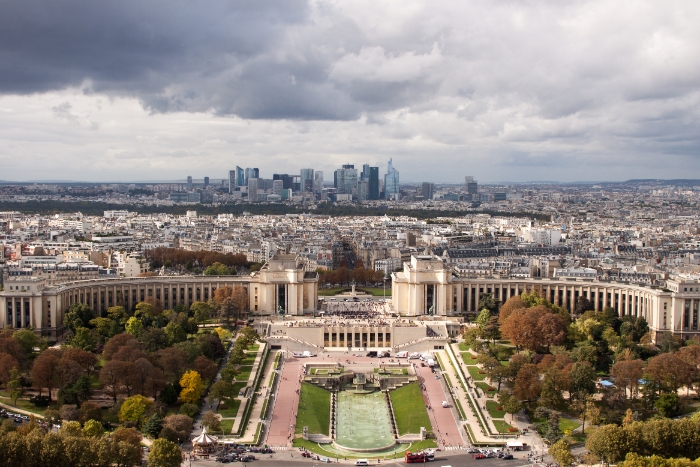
402, 354
416, 457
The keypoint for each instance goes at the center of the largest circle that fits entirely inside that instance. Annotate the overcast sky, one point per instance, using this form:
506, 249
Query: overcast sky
503, 90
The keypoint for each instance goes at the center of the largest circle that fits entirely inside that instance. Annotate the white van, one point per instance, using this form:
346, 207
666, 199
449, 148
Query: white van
362, 462
308, 354
402, 354
414, 355
431, 362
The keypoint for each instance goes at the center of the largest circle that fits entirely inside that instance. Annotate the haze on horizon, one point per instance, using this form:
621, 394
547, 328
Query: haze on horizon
501, 90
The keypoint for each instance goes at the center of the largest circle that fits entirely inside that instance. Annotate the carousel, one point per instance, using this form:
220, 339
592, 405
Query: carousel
205, 444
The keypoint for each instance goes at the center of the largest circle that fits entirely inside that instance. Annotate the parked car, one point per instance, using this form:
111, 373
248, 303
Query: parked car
305, 454
325, 460
479, 456
508, 456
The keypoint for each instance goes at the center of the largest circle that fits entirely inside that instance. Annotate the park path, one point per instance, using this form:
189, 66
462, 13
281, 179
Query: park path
444, 423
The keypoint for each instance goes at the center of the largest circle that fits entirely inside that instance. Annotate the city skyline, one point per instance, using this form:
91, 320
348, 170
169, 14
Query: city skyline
506, 92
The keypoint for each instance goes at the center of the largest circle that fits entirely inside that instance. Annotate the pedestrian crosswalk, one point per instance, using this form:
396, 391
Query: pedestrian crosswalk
453, 448
279, 448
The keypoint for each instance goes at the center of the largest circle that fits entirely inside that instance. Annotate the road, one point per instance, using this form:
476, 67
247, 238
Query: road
458, 458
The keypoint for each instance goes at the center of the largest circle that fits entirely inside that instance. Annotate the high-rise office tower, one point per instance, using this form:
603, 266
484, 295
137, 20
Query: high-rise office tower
472, 187
362, 191
318, 181
253, 189
391, 182
346, 179
251, 173
364, 176
240, 177
232, 181
427, 190
373, 183
189, 183
206, 182
287, 180
307, 180
277, 187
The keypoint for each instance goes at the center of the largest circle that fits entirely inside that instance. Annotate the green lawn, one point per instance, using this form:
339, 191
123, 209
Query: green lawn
232, 410
23, 404
485, 388
237, 386
314, 409
244, 374
463, 347
227, 425
467, 358
409, 409
474, 373
492, 407
502, 426
253, 348
505, 363
567, 424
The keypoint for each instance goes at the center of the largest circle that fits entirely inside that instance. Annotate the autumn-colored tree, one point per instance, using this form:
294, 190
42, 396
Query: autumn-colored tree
192, 387
93, 429
118, 341
512, 304
627, 374
164, 453
134, 408
172, 361
205, 367
230, 302
527, 383
45, 370
561, 452
112, 374
141, 374
156, 304
7, 363
86, 360
535, 328
668, 371
127, 435
180, 424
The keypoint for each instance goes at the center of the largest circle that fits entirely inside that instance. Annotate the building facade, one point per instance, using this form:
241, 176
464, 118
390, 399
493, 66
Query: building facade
282, 285
426, 287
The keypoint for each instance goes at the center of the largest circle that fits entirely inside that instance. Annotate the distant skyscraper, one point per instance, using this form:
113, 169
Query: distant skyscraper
240, 177
362, 191
346, 179
206, 182
189, 183
391, 182
472, 187
373, 183
232, 181
318, 181
277, 187
307, 180
364, 176
427, 190
251, 173
253, 189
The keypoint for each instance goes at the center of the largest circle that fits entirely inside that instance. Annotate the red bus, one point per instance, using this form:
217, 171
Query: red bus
413, 457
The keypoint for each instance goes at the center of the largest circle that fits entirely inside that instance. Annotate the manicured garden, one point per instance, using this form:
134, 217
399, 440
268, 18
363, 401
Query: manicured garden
409, 409
314, 409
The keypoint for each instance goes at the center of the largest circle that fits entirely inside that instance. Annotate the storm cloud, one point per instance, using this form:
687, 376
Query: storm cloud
501, 89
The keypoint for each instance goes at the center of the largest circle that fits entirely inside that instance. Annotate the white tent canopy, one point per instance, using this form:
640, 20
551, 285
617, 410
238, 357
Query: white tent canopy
205, 439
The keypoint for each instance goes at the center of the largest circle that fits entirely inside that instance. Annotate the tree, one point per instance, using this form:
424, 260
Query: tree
28, 340
106, 327
45, 370
144, 310
141, 374
582, 305
486, 301
483, 318
7, 363
168, 395
512, 304
164, 453
627, 374
175, 333
78, 315
221, 390
512, 406
581, 380
527, 383
112, 374
134, 408
93, 429
90, 411
15, 385
211, 420
134, 326
205, 367
550, 396
202, 311
561, 452
180, 424
667, 404
153, 425
192, 387
127, 435
553, 433
609, 443
668, 371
